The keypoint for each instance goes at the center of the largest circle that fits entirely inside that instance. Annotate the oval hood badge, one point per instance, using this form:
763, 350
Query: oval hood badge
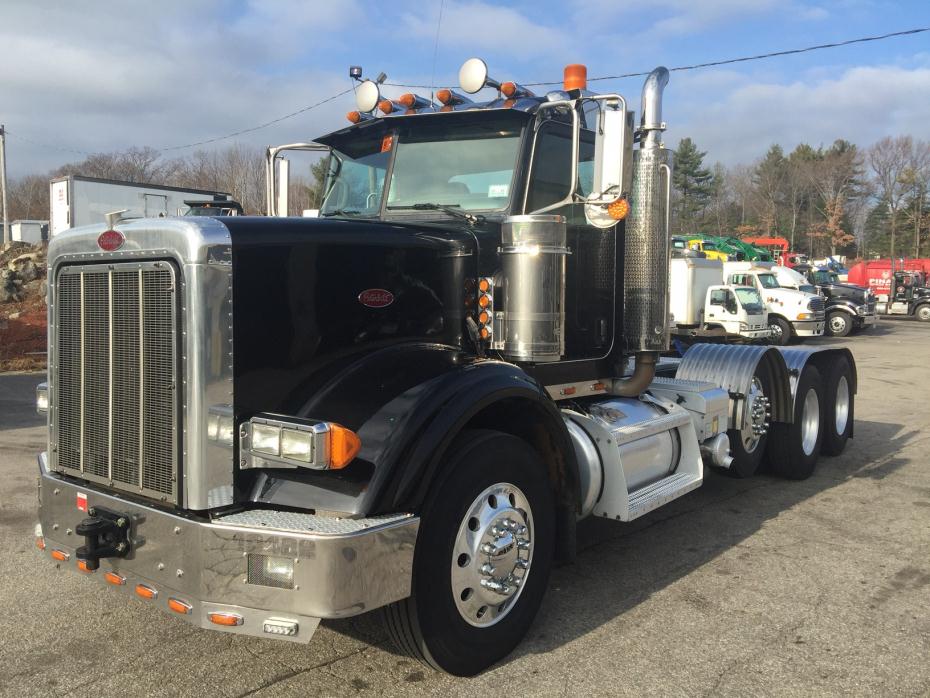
376, 298
110, 240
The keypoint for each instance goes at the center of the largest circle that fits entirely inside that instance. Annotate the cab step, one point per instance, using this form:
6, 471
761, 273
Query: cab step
650, 497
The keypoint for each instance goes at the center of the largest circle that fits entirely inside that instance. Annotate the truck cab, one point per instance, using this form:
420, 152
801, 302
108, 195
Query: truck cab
849, 308
910, 295
708, 247
739, 310
792, 313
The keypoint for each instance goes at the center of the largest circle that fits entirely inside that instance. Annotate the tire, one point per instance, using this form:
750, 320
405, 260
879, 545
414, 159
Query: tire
430, 625
747, 448
839, 324
839, 407
794, 448
781, 331
922, 313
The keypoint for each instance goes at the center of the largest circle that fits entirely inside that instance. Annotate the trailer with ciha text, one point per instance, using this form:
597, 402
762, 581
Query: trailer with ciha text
406, 403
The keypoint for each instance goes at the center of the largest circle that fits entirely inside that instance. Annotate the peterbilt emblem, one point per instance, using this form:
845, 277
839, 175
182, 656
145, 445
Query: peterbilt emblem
110, 240
376, 298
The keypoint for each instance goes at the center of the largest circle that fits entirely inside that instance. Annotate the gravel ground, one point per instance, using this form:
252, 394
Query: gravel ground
753, 587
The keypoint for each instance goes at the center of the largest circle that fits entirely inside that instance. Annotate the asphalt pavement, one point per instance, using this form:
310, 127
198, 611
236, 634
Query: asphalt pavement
744, 587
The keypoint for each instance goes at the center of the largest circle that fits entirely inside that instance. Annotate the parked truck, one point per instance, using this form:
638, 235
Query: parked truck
910, 295
77, 201
849, 308
407, 403
793, 314
702, 305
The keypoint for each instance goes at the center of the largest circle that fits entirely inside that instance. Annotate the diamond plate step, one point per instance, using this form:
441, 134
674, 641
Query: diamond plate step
650, 497
298, 522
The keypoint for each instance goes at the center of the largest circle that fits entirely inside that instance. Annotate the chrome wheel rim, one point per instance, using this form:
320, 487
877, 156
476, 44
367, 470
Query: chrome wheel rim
810, 422
842, 404
837, 324
776, 331
492, 555
924, 313
756, 413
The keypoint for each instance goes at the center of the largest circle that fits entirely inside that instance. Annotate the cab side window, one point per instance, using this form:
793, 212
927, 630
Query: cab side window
718, 296
550, 179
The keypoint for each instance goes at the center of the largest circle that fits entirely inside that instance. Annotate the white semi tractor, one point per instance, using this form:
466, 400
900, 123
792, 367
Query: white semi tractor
792, 314
703, 306
76, 200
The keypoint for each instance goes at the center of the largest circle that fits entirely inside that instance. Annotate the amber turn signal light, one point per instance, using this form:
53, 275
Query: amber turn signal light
344, 444
83, 566
619, 209
60, 555
227, 619
145, 591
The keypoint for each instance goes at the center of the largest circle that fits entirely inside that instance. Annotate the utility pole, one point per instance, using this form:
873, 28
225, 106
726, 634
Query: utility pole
6, 214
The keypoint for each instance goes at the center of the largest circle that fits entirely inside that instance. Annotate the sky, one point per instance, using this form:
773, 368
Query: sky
84, 77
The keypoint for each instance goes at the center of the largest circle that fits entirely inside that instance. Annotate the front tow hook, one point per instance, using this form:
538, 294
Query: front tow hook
106, 534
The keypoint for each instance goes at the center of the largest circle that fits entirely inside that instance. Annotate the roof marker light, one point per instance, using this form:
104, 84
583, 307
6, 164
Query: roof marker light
412, 101
451, 98
514, 90
358, 116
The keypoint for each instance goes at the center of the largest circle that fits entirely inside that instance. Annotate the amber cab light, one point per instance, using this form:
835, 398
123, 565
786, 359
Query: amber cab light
227, 619
179, 606
575, 77
619, 209
354, 116
83, 566
60, 555
145, 591
386, 106
115, 579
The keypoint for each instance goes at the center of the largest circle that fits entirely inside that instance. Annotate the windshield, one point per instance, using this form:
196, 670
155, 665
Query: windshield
750, 299
825, 277
768, 281
807, 288
355, 177
470, 167
709, 246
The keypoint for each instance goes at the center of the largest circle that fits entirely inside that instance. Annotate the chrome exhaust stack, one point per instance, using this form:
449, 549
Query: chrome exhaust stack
646, 246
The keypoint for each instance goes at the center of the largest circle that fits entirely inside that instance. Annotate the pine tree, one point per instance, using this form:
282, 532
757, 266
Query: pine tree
693, 185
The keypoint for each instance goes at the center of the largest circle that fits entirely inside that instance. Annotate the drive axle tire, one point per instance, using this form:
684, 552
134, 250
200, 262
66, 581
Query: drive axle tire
482, 560
794, 448
839, 407
839, 324
747, 446
781, 331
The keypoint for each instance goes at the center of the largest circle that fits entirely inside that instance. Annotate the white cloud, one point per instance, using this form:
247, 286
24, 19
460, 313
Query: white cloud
861, 105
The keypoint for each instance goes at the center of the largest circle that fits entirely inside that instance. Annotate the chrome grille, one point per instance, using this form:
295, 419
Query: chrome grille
116, 408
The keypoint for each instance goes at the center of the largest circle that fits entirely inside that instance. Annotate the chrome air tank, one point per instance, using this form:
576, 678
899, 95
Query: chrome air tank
530, 298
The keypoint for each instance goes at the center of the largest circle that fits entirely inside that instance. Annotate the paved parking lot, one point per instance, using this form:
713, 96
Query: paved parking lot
759, 586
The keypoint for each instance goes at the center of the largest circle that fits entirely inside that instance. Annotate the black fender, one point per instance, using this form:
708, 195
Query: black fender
407, 403
844, 305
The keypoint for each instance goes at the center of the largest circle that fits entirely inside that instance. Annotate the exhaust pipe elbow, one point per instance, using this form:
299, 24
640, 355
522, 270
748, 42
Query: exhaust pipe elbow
651, 121
644, 371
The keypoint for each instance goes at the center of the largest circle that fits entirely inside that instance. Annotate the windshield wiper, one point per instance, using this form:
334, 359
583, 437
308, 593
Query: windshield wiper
340, 212
451, 209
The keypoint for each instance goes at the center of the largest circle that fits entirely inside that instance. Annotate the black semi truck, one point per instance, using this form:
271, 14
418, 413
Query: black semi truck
405, 404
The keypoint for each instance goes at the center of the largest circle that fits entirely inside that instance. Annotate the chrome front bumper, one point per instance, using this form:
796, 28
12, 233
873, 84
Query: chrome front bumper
808, 328
341, 567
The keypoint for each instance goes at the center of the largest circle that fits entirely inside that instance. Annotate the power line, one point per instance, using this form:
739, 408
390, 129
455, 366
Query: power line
709, 64
727, 61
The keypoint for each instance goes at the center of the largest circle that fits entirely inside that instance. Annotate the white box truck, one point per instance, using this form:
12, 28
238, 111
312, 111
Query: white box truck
29, 231
702, 305
77, 200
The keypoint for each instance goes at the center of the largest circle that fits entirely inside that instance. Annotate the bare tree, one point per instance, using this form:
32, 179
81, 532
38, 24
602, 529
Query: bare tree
890, 159
835, 177
916, 178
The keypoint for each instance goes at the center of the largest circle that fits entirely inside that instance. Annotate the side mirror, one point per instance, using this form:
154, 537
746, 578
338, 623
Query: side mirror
613, 160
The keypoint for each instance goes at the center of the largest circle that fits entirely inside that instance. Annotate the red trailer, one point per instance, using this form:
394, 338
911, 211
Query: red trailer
876, 273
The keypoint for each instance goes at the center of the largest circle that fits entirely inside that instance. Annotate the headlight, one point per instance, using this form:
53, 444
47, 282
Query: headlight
297, 445
266, 438
42, 398
270, 571
744, 326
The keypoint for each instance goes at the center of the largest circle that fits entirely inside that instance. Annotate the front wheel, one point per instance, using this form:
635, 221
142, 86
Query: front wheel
923, 313
839, 324
483, 556
781, 331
